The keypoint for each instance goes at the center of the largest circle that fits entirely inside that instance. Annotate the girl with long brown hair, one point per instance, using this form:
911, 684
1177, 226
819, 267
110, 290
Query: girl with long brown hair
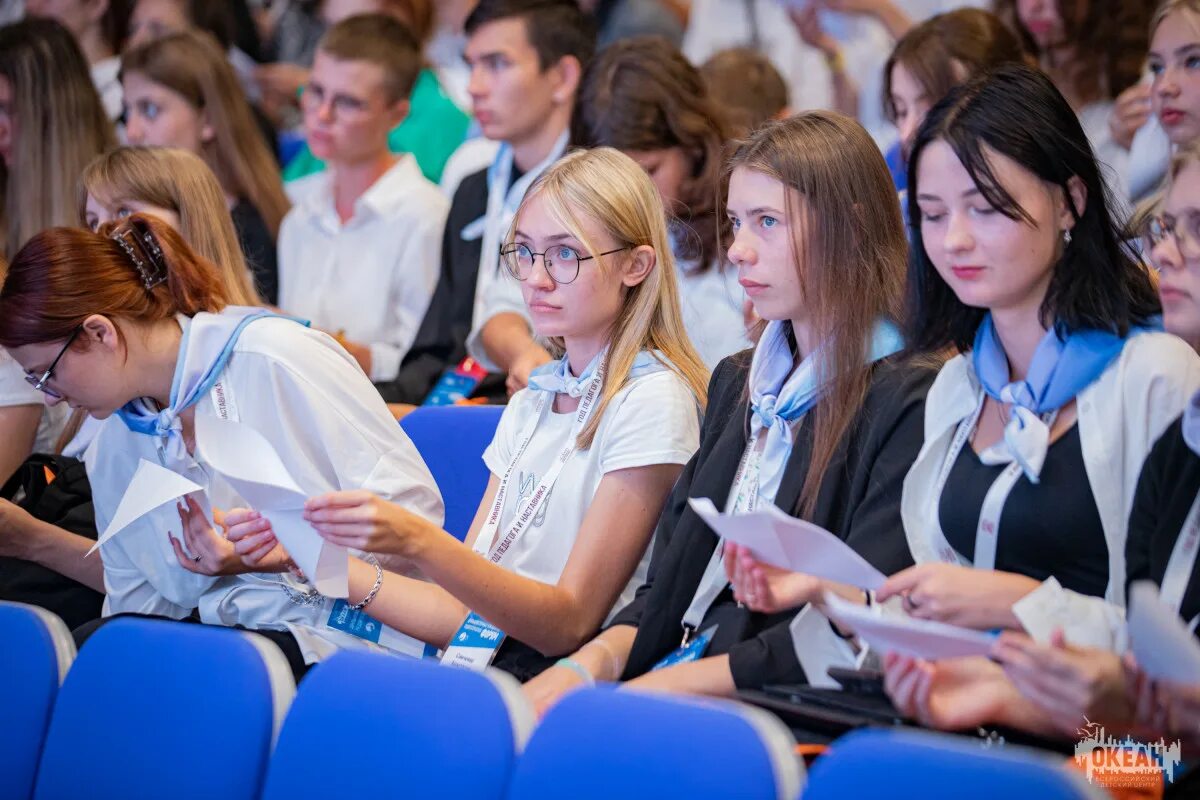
642, 97
132, 326
822, 419
181, 92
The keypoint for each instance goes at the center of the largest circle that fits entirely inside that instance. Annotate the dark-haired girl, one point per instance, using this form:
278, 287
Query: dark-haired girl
1016, 509
138, 331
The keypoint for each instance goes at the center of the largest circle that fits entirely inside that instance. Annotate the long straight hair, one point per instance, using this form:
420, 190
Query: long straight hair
849, 250
178, 181
193, 66
608, 189
60, 127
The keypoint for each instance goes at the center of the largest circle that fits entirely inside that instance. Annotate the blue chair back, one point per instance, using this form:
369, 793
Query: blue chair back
597, 744
902, 764
35, 654
155, 708
373, 725
451, 440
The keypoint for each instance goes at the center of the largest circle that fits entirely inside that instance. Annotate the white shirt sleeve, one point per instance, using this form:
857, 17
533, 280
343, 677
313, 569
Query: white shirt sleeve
415, 278
502, 293
654, 421
504, 443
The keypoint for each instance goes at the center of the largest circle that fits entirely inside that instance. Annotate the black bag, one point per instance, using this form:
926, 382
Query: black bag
64, 500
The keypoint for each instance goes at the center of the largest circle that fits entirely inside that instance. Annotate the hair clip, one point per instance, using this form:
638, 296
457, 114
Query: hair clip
151, 276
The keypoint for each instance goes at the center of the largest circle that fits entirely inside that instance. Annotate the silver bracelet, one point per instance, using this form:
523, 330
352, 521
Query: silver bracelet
370, 559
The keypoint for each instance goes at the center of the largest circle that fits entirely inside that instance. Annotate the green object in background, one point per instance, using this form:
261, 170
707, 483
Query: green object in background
434, 127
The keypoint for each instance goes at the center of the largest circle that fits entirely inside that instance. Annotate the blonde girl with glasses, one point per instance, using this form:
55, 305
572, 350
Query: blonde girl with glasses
583, 458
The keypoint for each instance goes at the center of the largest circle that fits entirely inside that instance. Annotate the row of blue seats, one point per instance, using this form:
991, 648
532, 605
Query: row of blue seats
160, 709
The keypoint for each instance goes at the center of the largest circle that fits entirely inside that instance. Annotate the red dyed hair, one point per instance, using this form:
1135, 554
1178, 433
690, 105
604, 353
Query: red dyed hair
64, 275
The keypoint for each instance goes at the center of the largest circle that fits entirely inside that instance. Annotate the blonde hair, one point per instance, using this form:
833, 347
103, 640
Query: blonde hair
850, 254
607, 188
179, 181
62, 127
192, 65
1169, 7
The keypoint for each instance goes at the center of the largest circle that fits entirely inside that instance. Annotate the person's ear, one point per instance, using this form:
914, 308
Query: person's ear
398, 112
1076, 195
639, 267
569, 72
207, 131
100, 331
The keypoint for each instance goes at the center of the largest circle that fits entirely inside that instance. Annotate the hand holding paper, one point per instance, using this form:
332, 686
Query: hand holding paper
918, 638
249, 464
151, 487
790, 543
1162, 644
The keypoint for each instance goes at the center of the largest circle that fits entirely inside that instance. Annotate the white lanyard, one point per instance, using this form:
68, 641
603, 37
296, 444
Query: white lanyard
486, 543
987, 531
743, 498
502, 203
1182, 562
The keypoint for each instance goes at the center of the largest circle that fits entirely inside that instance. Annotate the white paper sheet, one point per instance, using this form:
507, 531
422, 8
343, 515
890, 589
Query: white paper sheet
919, 638
784, 541
1162, 644
250, 465
152, 486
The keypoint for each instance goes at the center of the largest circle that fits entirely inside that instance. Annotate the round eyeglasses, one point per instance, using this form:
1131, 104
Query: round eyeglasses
562, 262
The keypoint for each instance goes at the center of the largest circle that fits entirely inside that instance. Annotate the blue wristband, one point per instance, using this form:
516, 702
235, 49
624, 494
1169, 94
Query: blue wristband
578, 669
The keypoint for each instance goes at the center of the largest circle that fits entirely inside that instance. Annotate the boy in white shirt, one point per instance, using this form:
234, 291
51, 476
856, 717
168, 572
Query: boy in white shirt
359, 254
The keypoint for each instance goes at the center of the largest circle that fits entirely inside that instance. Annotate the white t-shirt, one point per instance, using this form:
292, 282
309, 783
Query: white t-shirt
372, 276
16, 391
652, 420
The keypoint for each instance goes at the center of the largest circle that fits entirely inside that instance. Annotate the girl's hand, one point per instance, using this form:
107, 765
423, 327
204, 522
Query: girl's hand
363, 521
1074, 684
963, 596
254, 541
548, 687
213, 554
15, 528
765, 588
953, 694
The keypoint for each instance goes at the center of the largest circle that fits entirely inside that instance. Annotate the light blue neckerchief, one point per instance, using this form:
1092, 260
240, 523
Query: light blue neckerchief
780, 395
208, 342
555, 376
1063, 365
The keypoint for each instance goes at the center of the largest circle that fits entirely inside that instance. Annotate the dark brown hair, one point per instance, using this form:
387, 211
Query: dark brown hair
850, 252
1109, 39
949, 49
64, 275
642, 94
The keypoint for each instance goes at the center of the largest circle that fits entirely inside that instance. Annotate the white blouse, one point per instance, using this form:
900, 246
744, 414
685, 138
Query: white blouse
310, 400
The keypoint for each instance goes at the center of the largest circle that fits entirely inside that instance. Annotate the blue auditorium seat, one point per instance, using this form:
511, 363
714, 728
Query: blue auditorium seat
153, 708
602, 743
900, 764
452, 439
376, 726
36, 650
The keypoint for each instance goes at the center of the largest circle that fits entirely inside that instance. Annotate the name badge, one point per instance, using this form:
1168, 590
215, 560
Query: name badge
474, 644
354, 622
692, 651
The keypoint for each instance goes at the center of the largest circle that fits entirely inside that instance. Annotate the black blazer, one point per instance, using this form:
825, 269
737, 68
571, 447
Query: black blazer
859, 500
